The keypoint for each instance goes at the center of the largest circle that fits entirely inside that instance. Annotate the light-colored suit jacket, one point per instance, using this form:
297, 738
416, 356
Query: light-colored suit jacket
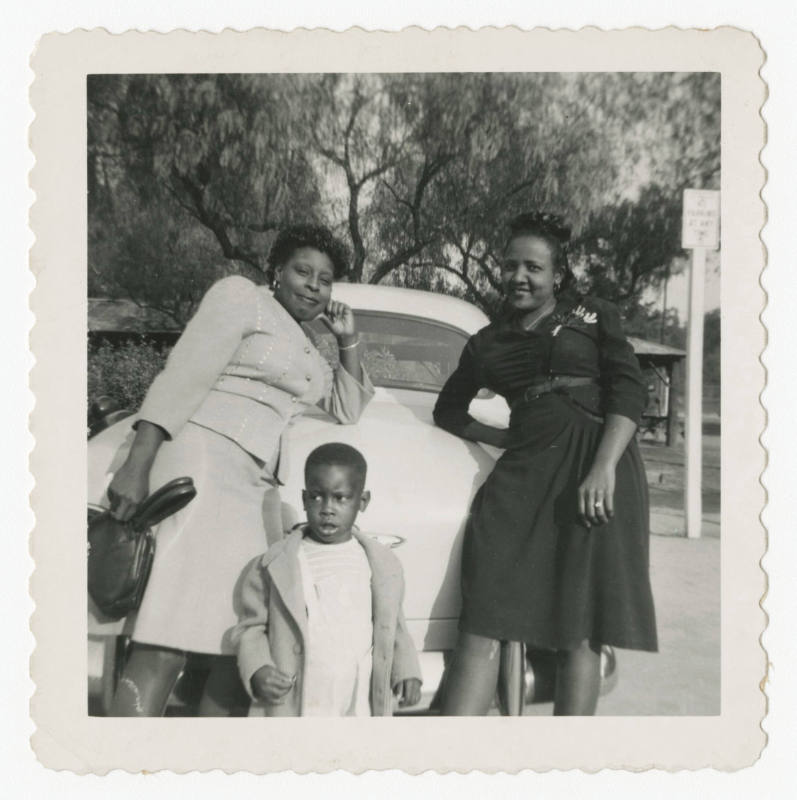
273, 625
244, 368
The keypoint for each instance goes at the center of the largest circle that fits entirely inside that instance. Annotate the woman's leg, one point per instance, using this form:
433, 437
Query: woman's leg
472, 678
578, 681
224, 694
147, 681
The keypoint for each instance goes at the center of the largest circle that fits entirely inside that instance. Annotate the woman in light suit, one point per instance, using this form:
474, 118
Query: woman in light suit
242, 369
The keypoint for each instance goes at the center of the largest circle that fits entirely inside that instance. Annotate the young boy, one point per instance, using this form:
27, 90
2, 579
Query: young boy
322, 632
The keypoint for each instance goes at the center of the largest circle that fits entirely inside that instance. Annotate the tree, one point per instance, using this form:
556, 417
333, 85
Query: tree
367, 133
224, 149
192, 174
631, 246
672, 142
164, 261
524, 150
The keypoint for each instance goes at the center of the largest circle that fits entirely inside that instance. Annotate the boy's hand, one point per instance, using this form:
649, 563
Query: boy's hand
408, 692
269, 684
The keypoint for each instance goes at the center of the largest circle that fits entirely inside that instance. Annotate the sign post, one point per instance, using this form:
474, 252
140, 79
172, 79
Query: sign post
700, 232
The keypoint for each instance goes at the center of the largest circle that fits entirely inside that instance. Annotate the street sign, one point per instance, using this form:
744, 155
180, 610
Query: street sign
701, 219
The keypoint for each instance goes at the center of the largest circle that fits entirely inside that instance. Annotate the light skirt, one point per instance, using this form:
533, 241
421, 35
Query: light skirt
202, 551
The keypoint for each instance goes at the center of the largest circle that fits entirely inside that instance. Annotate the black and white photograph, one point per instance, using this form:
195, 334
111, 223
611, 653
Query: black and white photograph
403, 396
476, 284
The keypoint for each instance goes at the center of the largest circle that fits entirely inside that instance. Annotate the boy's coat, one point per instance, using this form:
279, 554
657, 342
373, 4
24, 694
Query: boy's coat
272, 596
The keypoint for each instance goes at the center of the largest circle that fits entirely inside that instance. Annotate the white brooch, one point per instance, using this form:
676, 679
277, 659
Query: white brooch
577, 313
589, 317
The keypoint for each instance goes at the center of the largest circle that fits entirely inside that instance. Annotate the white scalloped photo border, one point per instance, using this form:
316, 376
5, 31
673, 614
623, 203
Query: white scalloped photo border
66, 737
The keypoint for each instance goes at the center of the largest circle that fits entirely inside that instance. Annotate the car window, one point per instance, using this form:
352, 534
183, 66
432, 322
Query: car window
399, 350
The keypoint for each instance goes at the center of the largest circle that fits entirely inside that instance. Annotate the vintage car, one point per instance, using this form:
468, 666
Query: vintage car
422, 479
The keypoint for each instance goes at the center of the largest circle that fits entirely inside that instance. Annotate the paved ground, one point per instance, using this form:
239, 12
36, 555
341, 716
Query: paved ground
683, 678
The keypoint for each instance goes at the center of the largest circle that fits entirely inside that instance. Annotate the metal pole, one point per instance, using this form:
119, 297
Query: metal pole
694, 394
512, 675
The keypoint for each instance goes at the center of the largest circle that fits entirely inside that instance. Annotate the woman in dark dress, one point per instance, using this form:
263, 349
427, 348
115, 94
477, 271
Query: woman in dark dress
556, 545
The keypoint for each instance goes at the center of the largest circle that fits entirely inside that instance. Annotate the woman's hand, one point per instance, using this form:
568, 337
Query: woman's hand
339, 318
129, 487
130, 484
477, 431
270, 684
596, 495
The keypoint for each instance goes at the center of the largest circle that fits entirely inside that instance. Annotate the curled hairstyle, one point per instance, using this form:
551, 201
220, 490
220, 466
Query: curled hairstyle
293, 238
337, 454
554, 231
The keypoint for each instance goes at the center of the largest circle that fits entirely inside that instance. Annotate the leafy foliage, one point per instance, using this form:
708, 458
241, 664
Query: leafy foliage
124, 372
630, 246
191, 175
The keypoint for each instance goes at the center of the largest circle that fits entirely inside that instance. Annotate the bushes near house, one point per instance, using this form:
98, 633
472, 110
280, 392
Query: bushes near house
124, 371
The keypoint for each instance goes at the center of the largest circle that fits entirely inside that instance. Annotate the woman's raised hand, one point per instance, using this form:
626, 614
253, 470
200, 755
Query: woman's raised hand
339, 318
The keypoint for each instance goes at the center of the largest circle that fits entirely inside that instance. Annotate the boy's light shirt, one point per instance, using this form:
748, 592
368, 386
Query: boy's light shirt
338, 658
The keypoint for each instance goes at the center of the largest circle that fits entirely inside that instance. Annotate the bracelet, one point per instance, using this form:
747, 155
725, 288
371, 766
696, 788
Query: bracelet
350, 346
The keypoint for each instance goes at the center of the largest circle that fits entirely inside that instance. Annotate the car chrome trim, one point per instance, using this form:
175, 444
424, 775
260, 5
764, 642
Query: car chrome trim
387, 539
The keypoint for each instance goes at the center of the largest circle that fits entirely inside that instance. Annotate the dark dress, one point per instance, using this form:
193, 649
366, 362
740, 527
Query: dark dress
531, 571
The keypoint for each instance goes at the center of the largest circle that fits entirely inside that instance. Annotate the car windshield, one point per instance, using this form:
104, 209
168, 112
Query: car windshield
399, 350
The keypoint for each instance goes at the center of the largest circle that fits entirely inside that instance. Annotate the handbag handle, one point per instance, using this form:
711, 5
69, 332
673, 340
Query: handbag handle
167, 500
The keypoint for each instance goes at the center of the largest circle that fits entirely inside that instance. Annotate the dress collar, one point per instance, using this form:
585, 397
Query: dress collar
509, 324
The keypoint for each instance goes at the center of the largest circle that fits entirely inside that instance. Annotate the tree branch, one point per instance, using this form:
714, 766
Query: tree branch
374, 173
214, 223
471, 286
389, 264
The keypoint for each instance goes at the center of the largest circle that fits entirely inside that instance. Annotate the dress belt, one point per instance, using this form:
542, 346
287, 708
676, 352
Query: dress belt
554, 384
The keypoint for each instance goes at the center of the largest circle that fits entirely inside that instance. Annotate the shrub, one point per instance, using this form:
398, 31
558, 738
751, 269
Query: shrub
123, 372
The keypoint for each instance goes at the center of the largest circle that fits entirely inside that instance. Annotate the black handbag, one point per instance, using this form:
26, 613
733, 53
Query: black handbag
121, 553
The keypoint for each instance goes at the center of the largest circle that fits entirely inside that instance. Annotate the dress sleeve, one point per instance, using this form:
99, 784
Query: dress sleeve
451, 409
209, 341
250, 636
624, 386
347, 397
